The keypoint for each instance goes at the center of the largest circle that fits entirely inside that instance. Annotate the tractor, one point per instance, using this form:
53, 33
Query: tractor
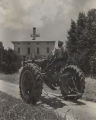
69, 78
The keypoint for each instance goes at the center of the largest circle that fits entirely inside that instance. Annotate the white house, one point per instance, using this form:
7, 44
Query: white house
33, 48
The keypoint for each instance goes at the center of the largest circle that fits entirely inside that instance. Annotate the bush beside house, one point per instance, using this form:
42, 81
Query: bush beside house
11, 61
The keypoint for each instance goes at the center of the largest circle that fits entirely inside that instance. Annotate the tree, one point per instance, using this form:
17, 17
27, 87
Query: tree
1, 52
81, 43
11, 61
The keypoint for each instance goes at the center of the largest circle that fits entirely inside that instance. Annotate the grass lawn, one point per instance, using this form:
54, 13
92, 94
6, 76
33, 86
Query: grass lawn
13, 78
14, 109
90, 89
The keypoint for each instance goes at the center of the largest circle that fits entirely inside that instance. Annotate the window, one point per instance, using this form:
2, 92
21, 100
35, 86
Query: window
17, 43
19, 50
37, 43
48, 50
47, 43
28, 51
38, 50
28, 43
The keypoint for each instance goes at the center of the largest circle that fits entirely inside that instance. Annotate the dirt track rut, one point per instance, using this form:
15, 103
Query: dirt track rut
81, 110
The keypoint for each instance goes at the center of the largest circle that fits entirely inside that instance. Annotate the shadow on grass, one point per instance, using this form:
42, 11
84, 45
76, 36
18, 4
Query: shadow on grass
53, 102
57, 103
79, 103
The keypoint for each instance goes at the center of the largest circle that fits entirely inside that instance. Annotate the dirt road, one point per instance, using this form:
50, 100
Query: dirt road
82, 110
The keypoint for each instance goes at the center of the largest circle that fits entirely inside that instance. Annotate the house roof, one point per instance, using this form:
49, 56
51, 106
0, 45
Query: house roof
33, 41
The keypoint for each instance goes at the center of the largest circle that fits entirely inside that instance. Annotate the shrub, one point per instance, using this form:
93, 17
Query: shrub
11, 62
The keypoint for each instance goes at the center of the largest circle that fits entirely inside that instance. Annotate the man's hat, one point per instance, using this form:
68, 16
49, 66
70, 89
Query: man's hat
60, 43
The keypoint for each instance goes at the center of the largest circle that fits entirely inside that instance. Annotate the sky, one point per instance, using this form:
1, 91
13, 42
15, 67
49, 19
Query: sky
52, 18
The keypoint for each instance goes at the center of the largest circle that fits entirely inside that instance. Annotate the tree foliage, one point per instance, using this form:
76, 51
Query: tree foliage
11, 61
81, 42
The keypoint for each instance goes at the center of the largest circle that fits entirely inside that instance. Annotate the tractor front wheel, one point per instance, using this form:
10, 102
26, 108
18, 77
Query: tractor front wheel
30, 83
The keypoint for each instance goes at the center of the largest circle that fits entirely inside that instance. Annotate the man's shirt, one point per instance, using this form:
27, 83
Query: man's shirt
59, 52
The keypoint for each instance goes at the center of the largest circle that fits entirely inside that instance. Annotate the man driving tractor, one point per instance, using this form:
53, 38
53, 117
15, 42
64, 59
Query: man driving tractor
59, 56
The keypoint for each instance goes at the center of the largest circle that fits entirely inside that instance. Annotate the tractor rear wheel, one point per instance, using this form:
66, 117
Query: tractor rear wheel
72, 82
30, 83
